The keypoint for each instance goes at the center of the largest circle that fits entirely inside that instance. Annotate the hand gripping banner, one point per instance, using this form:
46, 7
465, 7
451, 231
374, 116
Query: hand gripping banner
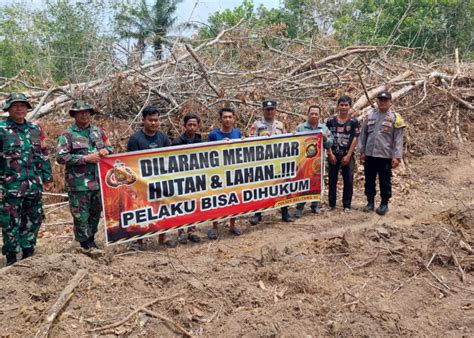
150, 192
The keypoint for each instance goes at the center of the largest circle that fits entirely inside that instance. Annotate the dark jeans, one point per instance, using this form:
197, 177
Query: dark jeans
382, 167
347, 176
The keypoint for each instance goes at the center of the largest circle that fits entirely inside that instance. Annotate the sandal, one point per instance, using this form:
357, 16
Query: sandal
194, 238
211, 234
235, 231
182, 239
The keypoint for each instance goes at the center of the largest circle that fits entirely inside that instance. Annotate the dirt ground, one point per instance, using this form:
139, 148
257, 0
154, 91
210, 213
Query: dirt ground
331, 274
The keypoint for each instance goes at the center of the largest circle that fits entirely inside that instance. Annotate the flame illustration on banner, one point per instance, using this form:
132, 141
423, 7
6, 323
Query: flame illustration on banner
120, 175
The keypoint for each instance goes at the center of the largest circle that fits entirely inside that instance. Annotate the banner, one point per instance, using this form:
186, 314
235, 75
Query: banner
150, 192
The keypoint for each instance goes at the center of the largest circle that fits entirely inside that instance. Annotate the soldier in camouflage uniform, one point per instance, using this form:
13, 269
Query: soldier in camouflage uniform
267, 126
80, 148
24, 168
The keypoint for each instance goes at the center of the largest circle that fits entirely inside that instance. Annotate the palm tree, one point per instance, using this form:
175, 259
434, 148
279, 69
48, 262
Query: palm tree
147, 24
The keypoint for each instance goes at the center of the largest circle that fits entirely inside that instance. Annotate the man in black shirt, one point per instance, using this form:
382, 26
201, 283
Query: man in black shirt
191, 127
149, 138
190, 136
345, 130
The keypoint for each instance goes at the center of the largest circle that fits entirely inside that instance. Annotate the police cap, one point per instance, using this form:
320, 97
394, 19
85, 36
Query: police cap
384, 95
266, 104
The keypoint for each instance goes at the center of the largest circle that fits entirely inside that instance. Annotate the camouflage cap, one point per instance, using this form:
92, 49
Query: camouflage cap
80, 105
16, 97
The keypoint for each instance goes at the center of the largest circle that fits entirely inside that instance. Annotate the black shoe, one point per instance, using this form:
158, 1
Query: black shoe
92, 243
315, 209
382, 210
27, 252
256, 218
285, 216
85, 246
11, 259
369, 207
298, 213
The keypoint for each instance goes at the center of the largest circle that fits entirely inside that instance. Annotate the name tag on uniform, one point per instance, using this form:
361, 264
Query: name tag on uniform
370, 122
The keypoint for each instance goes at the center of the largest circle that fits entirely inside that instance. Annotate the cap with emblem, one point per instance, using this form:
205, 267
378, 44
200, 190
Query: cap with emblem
384, 95
81, 105
15, 97
269, 104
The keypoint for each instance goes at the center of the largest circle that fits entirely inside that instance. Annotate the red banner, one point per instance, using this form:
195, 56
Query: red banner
150, 192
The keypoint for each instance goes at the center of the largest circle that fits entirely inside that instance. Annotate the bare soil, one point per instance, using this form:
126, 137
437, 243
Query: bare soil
330, 274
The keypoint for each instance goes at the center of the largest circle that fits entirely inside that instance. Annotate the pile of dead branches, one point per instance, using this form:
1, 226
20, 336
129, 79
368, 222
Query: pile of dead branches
239, 68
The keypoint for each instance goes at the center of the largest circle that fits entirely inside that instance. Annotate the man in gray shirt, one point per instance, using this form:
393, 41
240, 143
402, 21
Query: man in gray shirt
312, 124
381, 150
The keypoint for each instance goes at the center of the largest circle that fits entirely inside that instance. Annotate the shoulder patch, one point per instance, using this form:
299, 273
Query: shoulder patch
399, 122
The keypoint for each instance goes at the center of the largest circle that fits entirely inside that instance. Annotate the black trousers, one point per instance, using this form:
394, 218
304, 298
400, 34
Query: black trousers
347, 176
378, 166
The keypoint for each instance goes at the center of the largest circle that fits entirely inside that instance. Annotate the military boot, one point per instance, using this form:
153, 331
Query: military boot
256, 218
11, 259
85, 246
27, 252
92, 243
285, 215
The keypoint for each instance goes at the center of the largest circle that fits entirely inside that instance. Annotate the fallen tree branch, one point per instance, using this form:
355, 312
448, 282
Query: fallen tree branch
309, 63
363, 102
169, 321
62, 300
131, 314
203, 69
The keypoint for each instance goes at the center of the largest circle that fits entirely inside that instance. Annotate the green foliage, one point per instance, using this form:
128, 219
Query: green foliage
437, 26
300, 18
147, 24
227, 18
60, 41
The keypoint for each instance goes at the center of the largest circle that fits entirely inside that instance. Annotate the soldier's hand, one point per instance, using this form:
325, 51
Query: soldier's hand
103, 152
362, 158
332, 159
395, 163
1, 195
92, 158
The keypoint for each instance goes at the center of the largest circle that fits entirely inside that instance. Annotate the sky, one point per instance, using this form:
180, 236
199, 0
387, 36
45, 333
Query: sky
201, 11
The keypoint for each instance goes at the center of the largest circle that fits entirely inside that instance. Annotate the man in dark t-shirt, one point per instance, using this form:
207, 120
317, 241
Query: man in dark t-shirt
150, 138
345, 130
190, 136
191, 127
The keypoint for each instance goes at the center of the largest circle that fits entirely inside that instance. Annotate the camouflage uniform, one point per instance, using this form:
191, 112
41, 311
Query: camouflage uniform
82, 178
24, 167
